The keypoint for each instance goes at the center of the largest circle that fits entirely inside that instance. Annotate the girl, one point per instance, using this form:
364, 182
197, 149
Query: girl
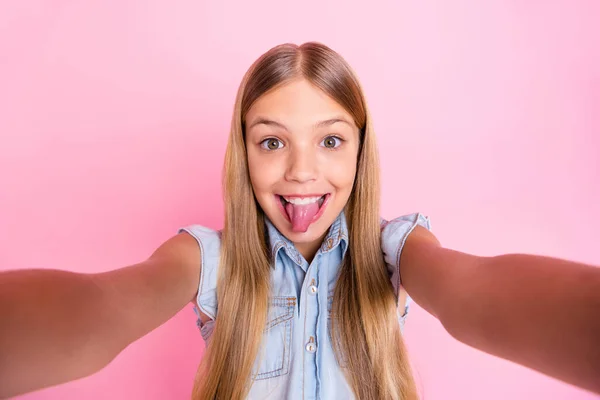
302, 294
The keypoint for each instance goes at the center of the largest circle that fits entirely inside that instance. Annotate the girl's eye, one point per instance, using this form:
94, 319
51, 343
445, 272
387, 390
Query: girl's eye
330, 142
271, 144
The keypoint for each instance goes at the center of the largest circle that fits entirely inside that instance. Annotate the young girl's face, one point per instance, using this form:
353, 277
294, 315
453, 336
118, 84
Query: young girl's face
302, 152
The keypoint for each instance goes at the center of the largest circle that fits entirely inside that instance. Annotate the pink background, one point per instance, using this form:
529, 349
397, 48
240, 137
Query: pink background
114, 120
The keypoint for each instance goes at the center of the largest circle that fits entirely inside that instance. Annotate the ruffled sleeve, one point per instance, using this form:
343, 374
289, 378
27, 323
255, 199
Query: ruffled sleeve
209, 241
393, 236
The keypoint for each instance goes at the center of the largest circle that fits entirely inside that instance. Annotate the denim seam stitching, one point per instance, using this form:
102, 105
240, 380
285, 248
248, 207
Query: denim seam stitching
289, 304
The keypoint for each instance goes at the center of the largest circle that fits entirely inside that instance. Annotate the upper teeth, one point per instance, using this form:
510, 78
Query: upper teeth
299, 201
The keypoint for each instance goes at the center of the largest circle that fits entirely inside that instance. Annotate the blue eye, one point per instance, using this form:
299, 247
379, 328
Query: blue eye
330, 142
271, 144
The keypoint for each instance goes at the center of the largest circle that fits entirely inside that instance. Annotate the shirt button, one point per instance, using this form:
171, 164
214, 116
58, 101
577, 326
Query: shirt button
312, 289
311, 347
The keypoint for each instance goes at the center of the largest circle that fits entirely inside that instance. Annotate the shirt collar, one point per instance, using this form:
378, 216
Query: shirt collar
336, 236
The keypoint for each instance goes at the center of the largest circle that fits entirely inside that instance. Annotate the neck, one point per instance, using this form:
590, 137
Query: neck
309, 250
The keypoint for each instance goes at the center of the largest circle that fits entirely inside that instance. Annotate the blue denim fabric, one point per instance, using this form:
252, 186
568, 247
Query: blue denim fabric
296, 360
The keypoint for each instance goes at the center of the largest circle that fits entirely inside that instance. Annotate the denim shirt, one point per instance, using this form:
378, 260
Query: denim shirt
296, 360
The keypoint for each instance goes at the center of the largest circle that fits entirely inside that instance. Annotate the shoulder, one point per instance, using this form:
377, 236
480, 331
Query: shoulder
396, 232
408, 237
421, 236
189, 251
206, 241
200, 244
202, 234
180, 254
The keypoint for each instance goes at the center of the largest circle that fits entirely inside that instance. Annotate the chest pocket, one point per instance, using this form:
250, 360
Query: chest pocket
274, 357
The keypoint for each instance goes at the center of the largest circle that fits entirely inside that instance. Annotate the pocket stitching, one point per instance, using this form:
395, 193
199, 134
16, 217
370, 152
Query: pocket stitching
289, 304
289, 313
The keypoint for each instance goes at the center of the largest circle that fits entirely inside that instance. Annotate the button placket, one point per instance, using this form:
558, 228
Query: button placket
313, 290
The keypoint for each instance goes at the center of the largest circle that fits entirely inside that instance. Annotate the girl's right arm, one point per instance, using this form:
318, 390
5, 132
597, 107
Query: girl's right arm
57, 326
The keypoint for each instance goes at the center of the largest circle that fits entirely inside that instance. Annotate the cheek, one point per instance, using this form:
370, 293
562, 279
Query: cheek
342, 174
253, 170
263, 175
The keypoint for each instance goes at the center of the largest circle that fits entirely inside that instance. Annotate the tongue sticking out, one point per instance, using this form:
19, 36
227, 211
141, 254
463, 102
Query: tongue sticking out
301, 215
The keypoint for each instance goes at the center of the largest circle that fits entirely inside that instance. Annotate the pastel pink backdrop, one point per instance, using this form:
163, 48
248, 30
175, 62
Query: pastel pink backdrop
114, 120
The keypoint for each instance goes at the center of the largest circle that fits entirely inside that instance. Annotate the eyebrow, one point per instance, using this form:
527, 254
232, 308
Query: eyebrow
320, 124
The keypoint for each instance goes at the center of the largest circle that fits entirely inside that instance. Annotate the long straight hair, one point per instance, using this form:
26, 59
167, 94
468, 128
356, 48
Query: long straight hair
365, 330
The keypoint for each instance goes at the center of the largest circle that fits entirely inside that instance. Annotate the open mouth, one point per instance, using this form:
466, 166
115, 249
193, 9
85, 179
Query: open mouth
302, 211
302, 201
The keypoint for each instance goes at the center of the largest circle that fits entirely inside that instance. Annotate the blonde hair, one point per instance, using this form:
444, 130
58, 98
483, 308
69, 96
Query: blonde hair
365, 328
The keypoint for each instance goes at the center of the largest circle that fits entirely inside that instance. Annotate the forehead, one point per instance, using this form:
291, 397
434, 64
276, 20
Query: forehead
297, 102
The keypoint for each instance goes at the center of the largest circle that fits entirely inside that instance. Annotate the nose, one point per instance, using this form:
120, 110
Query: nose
302, 166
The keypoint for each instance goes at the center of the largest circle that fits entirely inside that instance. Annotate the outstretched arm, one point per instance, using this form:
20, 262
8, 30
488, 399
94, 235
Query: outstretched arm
57, 326
541, 312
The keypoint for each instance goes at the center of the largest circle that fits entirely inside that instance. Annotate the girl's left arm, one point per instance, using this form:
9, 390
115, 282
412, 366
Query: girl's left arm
541, 312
